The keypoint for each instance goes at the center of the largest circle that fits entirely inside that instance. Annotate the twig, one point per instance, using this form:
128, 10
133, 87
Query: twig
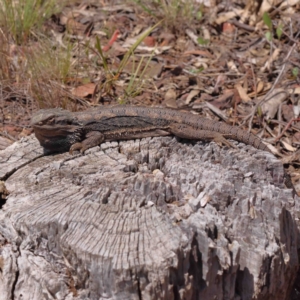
286, 128
279, 117
251, 116
243, 26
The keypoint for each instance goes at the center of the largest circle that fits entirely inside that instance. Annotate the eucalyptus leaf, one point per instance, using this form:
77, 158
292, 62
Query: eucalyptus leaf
267, 20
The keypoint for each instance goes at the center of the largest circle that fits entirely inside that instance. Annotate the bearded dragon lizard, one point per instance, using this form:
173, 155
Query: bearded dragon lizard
60, 130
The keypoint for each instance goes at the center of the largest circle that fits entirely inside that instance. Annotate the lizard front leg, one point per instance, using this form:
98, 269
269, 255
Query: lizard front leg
189, 132
92, 139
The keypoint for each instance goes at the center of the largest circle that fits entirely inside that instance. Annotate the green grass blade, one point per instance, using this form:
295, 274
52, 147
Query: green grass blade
99, 49
134, 46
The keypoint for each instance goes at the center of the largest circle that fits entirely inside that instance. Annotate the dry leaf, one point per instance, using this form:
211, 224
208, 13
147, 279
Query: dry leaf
205, 33
242, 93
269, 62
285, 4
287, 112
296, 110
294, 157
192, 36
260, 86
228, 28
111, 41
219, 82
259, 52
191, 95
74, 27
224, 101
201, 62
273, 149
232, 67
170, 98
223, 17
270, 107
296, 138
294, 90
149, 41
216, 110
153, 71
288, 147
84, 90
131, 40
228, 31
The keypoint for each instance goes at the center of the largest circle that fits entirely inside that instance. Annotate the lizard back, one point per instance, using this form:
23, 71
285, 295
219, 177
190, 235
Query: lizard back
114, 117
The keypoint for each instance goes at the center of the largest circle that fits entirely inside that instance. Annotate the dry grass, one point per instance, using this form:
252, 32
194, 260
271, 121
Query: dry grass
31, 66
176, 14
37, 66
22, 17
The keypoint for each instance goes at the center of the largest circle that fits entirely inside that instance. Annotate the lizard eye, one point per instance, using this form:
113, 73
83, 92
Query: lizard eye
50, 120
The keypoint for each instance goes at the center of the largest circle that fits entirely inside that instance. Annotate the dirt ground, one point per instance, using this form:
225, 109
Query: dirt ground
232, 61
235, 61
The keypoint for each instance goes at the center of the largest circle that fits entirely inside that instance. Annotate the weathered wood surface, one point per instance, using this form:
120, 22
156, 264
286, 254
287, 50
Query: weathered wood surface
146, 219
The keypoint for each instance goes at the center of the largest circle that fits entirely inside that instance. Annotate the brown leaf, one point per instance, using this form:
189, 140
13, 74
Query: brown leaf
111, 41
170, 98
154, 70
149, 41
219, 82
242, 93
191, 95
287, 146
224, 101
84, 90
167, 38
260, 86
228, 28
296, 137
270, 107
287, 112
75, 27
223, 17
294, 157
272, 58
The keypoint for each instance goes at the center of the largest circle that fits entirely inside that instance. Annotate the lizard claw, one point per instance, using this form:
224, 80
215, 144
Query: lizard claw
76, 146
92, 139
219, 139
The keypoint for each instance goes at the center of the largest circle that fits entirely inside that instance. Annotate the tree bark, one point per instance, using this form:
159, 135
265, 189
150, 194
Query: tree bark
146, 219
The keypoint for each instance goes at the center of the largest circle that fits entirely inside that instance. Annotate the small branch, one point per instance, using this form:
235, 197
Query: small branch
286, 128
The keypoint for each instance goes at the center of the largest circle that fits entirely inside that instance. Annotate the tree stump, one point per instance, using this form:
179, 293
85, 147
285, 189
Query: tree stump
154, 218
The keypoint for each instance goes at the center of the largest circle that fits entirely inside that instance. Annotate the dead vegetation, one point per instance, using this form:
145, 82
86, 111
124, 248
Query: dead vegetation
236, 60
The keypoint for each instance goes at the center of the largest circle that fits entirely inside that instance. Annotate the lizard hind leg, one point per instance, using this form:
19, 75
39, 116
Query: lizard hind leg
92, 139
189, 132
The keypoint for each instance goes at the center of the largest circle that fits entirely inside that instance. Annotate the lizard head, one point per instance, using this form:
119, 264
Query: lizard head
52, 116
56, 129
